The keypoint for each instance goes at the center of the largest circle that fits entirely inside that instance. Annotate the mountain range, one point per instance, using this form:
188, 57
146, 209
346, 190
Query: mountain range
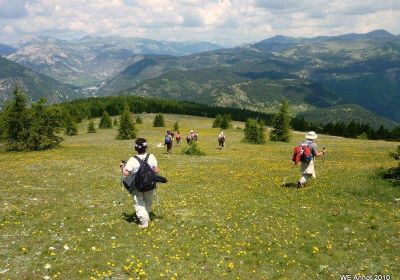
351, 76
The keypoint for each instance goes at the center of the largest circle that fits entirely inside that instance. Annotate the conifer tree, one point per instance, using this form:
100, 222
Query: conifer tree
70, 125
115, 123
16, 122
91, 128
218, 120
281, 125
105, 121
254, 132
126, 128
159, 121
226, 121
42, 129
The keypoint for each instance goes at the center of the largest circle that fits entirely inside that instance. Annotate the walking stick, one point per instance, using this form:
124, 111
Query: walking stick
158, 203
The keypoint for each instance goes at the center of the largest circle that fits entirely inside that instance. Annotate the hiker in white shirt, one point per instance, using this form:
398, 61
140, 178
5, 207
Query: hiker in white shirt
142, 200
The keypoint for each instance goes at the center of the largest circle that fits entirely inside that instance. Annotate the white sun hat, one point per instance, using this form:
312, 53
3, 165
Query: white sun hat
311, 135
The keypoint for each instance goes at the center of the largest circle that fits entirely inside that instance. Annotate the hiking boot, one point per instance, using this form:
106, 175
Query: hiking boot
144, 224
299, 185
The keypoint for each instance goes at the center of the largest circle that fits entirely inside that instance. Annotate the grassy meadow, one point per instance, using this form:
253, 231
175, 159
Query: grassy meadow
226, 215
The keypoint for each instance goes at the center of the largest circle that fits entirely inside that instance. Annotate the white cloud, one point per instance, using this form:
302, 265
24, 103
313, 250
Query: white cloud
223, 21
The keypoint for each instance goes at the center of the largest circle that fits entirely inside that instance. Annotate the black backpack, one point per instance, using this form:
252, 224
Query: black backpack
145, 179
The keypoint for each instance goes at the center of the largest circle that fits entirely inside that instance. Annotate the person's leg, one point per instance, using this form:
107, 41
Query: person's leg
140, 207
148, 200
304, 179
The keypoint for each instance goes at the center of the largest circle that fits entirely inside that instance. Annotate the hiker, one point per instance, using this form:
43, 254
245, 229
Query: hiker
190, 137
178, 138
142, 200
168, 141
308, 168
221, 140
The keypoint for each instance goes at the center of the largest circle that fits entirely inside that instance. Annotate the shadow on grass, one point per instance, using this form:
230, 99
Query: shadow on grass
130, 218
289, 185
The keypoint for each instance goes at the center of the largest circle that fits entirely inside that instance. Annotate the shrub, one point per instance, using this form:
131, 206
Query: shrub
193, 149
91, 128
254, 132
176, 126
159, 121
393, 174
139, 120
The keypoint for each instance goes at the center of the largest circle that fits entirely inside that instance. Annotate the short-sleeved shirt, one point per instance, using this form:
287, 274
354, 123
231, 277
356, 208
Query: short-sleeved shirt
133, 164
313, 146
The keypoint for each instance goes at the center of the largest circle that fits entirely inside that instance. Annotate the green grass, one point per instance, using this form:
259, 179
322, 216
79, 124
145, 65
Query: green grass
223, 216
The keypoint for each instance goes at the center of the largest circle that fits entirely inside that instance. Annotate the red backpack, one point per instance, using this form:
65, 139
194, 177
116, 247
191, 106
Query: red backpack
302, 153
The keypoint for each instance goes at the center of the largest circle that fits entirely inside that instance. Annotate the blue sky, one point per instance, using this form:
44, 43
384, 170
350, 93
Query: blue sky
226, 22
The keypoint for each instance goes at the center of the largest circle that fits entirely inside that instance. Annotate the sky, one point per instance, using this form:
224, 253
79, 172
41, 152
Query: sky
225, 22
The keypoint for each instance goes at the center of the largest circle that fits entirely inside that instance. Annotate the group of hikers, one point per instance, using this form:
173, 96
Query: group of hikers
170, 136
304, 154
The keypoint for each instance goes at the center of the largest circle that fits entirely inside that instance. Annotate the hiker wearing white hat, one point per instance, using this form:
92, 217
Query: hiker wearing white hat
307, 167
221, 140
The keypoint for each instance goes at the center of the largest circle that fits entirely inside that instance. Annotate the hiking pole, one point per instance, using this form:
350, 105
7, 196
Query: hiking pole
158, 203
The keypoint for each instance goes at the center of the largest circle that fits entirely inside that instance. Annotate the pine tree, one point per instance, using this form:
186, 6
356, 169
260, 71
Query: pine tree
42, 130
218, 120
91, 128
16, 122
254, 132
105, 121
115, 123
226, 121
159, 121
70, 125
281, 125
139, 120
126, 128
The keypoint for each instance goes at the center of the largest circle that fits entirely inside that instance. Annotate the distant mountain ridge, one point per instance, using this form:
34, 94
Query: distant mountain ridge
34, 84
6, 50
361, 69
90, 60
324, 73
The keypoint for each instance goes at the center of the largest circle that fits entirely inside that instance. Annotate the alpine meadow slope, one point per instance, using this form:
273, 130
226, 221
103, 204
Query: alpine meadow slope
224, 215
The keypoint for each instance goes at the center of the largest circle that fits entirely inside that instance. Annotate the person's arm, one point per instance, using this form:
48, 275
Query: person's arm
153, 162
125, 172
318, 154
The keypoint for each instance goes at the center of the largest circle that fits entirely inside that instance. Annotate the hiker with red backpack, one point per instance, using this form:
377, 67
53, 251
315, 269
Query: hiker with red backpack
178, 138
142, 195
305, 154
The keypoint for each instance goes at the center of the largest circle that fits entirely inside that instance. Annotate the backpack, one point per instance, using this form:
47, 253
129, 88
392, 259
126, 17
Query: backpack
302, 153
145, 179
167, 139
